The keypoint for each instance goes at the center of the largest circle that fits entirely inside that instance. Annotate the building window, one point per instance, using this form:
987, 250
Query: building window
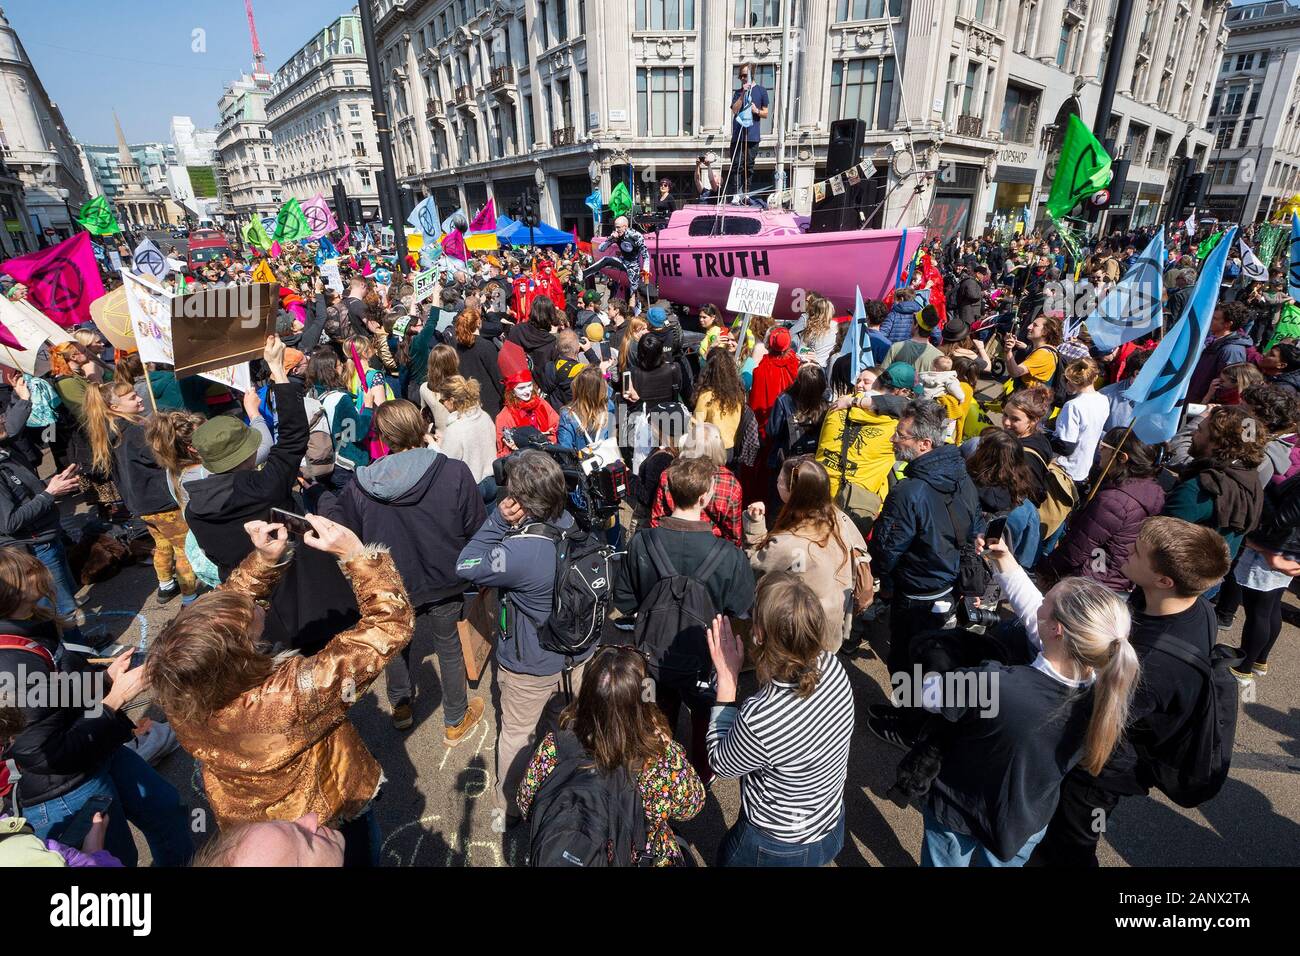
586, 99
866, 9
545, 27
498, 133
358, 145
365, 178
665, 101
561, 20
529, 126
1223, 136
968, 89
1254, 98
863, 89
566, 103
349, 78
346, 47
1020, 113
758, 13
1243, 137
1063, 47
665, 14
354, 111
582, 17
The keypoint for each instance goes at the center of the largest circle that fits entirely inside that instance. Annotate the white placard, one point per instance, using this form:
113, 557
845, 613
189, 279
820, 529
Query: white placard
151, 321
115, 258
752, 297
33, 330
329, 271
423, 284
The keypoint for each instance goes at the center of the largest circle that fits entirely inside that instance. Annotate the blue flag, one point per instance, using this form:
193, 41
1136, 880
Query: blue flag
456, 220
425, 218
1294, 281
325, 251
852, 344
594, 204
1160, 388
1132, 309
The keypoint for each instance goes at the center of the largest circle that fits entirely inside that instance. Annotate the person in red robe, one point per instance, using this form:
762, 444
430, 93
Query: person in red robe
772, 376
524, 407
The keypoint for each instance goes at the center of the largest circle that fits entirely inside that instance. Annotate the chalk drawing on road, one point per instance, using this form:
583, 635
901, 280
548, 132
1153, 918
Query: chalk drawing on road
419, 841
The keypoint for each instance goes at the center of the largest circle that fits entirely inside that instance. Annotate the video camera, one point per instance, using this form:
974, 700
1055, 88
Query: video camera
600, 485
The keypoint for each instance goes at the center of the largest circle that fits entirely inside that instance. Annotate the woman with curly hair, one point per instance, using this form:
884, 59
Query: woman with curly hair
1002, 476
719, 396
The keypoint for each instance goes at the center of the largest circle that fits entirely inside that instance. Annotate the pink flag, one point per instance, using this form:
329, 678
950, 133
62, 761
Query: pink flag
275, 249
319, 217
485, 221
453, 244
366, 267
343, 242
61, 281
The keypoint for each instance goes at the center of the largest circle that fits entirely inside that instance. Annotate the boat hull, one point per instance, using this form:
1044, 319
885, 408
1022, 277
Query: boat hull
699, 270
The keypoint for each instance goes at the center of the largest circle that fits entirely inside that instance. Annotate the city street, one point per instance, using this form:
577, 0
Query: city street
435, 809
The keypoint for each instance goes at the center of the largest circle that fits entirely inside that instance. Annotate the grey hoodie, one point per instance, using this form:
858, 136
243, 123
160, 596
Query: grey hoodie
393, 476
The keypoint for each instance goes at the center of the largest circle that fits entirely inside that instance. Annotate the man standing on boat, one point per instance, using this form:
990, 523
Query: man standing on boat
628, 257
748, 108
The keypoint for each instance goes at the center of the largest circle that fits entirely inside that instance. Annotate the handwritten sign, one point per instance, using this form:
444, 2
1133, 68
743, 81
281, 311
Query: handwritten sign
752, 297
329, 271
33, 330
423, 283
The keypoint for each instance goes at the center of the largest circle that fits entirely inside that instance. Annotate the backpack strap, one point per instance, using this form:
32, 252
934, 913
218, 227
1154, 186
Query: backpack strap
712, 560
1179, 649
16, 643
663, 565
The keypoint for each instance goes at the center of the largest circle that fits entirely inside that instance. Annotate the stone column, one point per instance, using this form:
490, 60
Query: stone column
1094, 35
921, 51
1159, 52
612, 67
714, 74
1051, 13
814, 68
1129, 61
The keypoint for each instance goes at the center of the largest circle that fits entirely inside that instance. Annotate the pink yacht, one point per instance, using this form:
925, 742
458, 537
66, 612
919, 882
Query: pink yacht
704, 246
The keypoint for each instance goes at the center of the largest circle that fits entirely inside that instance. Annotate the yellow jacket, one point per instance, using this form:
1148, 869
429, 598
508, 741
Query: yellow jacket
870, 451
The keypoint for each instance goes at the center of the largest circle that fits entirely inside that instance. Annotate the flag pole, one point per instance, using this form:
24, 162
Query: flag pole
1092, 492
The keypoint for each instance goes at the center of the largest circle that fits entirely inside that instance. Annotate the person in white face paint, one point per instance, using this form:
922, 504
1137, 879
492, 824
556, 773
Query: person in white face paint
525, 407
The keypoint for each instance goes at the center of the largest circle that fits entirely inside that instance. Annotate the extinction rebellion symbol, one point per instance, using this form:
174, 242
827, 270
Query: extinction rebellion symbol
57, 286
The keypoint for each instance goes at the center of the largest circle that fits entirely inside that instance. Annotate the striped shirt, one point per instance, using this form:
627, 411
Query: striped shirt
792, 755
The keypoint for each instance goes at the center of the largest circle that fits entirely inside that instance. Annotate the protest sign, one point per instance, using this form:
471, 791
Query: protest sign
32, 330
113, 319
752, 297
215, 328
423, 283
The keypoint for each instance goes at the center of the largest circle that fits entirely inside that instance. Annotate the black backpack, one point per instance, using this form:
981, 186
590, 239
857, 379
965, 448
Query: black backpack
582, 817
1191, 767
673, 620
1060, 393
583, 590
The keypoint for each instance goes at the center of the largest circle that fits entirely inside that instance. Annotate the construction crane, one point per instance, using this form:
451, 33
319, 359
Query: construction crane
259, 58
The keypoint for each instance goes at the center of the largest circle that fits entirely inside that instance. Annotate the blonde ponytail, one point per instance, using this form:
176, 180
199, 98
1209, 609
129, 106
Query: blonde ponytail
102, 423
1095, 626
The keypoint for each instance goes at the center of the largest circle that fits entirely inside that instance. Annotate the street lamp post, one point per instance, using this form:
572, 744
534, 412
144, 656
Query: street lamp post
390, 195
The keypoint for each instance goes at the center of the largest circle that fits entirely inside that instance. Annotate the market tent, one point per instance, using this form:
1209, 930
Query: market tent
517, 234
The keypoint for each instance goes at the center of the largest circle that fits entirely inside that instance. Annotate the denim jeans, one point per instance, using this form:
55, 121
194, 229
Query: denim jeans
747, 845
943, 847
441, 619
53, 556
140, 796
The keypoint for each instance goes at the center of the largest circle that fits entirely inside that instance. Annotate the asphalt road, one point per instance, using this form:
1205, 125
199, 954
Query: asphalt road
435, 809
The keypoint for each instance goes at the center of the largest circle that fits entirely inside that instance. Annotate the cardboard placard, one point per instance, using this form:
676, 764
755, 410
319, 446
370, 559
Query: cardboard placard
752, 297
478, 632
218, 328
113, 319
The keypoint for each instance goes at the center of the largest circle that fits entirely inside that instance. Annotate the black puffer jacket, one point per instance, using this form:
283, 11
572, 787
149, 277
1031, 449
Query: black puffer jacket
1279, 525
28, 513
59, 748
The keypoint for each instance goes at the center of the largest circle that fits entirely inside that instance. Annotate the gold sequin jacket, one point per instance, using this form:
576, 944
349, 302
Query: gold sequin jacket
287, 748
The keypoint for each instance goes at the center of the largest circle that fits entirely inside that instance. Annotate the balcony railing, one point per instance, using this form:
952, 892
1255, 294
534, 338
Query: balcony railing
501, 77
431, 107
464, 94
968, 125
562, 137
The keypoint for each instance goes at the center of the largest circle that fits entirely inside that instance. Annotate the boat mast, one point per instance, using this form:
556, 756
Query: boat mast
786, 86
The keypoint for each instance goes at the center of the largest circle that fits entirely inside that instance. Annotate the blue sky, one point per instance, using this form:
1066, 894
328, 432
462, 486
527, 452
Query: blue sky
138, 58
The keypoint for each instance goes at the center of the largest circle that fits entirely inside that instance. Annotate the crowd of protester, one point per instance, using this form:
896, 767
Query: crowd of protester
973, 503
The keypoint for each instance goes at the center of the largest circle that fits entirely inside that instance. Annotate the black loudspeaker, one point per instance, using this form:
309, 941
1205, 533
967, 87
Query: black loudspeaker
342, 211
843, 151
1196, 184
845, 146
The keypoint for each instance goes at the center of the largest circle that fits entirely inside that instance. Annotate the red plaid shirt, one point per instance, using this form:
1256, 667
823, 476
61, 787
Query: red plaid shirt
723, 511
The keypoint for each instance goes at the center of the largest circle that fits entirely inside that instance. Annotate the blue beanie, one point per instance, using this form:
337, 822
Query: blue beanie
657, 317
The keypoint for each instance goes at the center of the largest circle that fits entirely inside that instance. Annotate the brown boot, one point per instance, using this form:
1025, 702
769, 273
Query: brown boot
473, 713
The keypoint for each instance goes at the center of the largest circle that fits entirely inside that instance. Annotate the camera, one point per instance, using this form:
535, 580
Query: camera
595, 488
972, 615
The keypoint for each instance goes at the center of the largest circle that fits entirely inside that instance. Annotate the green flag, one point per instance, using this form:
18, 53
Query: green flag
1083, 169
620, 200
291, 223
1207, 245
255, 234
1269, 237
97, 216
1288, 327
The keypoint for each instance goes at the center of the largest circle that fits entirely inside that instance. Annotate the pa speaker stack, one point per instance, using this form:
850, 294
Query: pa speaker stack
844, 151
